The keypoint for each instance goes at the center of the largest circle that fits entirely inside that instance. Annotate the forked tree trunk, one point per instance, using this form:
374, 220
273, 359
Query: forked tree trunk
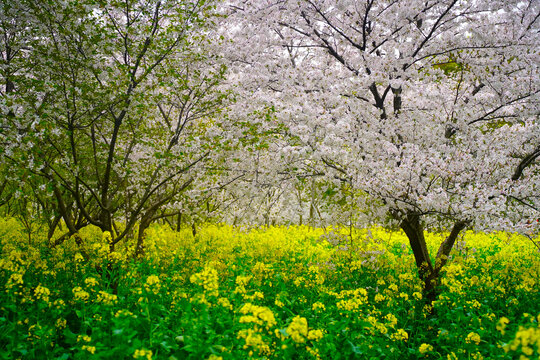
428, 272
144, 224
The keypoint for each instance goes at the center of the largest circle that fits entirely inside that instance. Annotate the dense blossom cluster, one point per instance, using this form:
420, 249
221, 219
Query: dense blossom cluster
402, 107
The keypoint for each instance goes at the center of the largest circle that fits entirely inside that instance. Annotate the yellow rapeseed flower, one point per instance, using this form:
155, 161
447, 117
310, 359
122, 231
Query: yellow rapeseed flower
106, 298
90, 281
225, 303
153, 284
400, 335
501, 324
106, 236
254, 340
315, 334
259, 315
527, 339
318, 306
61, 323
208, 279
80, 294
15, 279
473, 337
298, 329
42, 293
214, 357
143, 353
425, 348
84, 338
391, 319
90, 349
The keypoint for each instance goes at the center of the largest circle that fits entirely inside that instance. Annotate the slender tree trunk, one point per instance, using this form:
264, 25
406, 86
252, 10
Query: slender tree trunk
52, 227
144, 224
193, 229
179, 222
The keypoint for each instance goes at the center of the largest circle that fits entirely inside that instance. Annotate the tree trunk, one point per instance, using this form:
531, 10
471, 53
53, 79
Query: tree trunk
52, 226
194, 230
428, 273
179, 222
415, 232
144, 224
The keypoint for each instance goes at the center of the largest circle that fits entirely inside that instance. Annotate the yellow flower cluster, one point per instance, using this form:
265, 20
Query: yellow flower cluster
84, 338
225, 303
208, 279
259, 315
143, 353
107, 237
91, 282
15, 279
298, 329
501, 324
425, 348
353, 299
241, 283
316, 276
392, 320
61, 323
315, 334
260, 318
90, 349
376, 326
254, 341
79, 294
42, 293
261, 270
215, 357
473, 337
400, 335
153, 284
123, 312
106, 298
527, 339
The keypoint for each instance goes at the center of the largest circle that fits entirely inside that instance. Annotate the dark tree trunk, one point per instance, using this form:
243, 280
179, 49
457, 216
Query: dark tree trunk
52, 227
415, 232
193, 229
429, 274
144, 224
179, 222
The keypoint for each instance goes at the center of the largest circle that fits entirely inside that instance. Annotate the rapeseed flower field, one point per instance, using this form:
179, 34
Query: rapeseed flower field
265, 293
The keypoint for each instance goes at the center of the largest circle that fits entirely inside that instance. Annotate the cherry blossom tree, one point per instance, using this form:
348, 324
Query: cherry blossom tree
111, 108
427, 110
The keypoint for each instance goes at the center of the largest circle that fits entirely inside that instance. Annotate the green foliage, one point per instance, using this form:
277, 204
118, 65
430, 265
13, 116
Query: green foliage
450, 67
109, 106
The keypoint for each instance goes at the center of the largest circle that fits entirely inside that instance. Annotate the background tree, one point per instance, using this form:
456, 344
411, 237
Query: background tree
112, 107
